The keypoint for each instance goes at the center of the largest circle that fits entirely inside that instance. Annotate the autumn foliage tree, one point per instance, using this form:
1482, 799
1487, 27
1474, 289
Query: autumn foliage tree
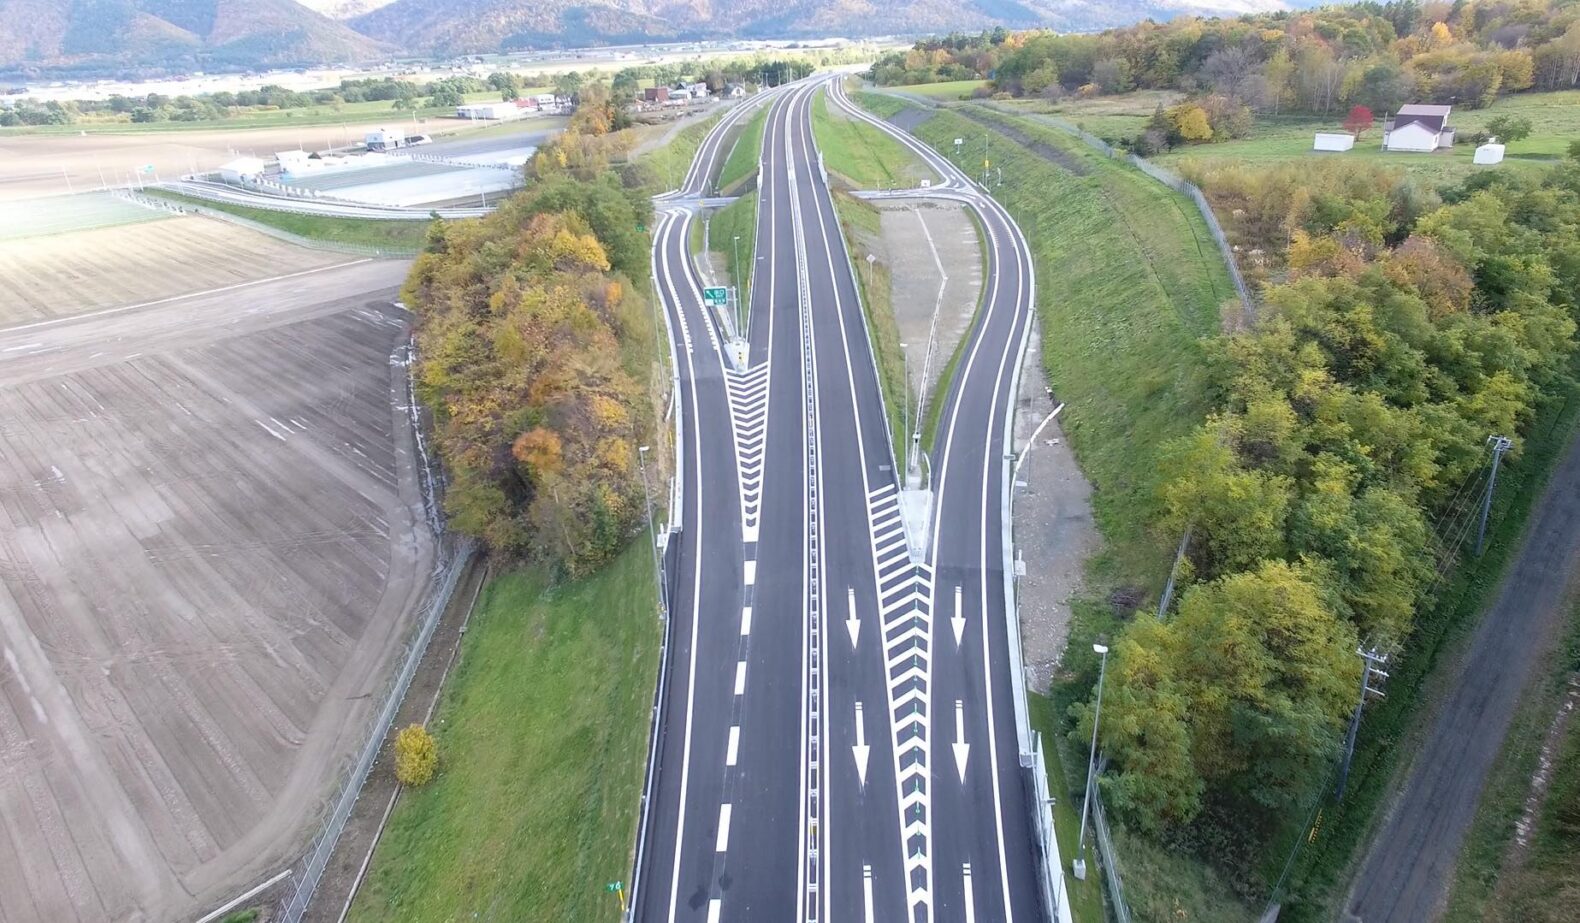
1359, 121
534, 351
416, 755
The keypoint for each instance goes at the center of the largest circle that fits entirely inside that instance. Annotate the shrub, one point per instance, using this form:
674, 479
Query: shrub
416, 755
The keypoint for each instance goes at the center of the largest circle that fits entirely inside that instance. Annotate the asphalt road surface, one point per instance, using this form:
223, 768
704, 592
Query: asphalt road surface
839, 737
1406, 875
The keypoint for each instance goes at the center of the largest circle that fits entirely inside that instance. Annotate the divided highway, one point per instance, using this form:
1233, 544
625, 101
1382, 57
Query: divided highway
839, 736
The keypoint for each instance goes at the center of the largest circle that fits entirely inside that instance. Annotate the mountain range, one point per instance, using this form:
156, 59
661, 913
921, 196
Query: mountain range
194, 34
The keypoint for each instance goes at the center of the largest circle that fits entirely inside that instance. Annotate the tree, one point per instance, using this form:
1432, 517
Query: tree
416, 755
1359, 121
1509, 128
508, 84
1190, 123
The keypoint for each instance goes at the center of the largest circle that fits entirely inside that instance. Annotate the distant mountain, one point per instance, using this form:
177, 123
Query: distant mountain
173, 34
343, 9
459, 26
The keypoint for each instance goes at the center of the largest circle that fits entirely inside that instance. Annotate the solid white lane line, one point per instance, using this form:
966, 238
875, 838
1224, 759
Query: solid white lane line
740, 678
751, 572
713, 910
746, 620
723, 843
971, 901
734, 747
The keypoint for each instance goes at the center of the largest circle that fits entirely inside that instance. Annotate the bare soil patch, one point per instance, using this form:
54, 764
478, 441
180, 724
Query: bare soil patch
211, 543
62, 274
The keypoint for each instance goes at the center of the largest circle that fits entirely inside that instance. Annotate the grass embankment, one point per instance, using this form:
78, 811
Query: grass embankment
1086, 897
1128, 284
669, 161
861, 155
1321, 872
1490, 884
948, 89
397, 237
360, 113
738, 219
862, 226
542, 732
742, 163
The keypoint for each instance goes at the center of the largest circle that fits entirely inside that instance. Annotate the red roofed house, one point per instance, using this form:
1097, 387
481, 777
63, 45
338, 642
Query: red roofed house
1418, 128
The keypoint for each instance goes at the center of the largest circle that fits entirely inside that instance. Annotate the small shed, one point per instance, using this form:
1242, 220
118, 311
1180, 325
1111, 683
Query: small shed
242, 170
1489, 153
1334, 141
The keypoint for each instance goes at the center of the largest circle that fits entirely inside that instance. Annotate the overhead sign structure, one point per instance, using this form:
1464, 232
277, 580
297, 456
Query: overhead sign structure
716, 297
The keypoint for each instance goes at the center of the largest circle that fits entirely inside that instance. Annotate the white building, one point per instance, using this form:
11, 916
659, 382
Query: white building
1333, 141
495, 111
242, 170
1489, 153
1418, 128
385, 139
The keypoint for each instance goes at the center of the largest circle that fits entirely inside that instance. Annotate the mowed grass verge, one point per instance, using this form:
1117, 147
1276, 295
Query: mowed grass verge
861, 155
399, 237
863, 227
738, 219
744, 156
542, 730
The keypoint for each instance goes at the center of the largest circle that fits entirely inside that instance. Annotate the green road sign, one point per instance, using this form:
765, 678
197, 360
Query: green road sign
716, 297
615, 886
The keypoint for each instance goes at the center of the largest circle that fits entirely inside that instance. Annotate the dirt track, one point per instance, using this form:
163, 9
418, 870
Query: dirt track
211, 541
1405, 876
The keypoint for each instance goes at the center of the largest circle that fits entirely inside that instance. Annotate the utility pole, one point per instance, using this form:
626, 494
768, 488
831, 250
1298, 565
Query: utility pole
1500, 444
652, 534
1091, 765
1371, 659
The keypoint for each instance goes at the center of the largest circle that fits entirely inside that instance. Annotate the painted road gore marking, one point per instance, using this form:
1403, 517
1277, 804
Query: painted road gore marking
905, 614
748, 399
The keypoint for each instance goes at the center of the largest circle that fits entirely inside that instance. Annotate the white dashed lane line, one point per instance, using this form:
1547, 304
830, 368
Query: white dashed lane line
723, 845
746, 620
734, 747
740, 678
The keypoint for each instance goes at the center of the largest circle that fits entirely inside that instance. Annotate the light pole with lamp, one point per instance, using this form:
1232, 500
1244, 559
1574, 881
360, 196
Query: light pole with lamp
735, 277
1091, 765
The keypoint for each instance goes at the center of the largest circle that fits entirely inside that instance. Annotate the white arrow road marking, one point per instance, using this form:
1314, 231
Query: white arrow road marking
852, 624
959, 621
971, 904
734, 747
866, 892
861, 751
723, 843
961, 748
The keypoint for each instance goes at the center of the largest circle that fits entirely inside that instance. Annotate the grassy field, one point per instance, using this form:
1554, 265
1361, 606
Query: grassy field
862, 226
1555, 116
1121, 116
739, 218
742, 162
949, 89
862, 155
670, 161
398, 236
542, 732
1486, 886
346, 113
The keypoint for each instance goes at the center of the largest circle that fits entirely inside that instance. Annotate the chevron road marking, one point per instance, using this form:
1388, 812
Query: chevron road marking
748, 399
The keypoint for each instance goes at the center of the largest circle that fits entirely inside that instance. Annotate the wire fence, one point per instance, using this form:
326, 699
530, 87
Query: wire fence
1108, 858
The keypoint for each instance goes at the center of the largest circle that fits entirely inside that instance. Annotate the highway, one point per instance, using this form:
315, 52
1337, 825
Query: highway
839, 734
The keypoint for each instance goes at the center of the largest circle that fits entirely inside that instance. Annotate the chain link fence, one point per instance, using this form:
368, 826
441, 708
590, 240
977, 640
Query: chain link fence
1108, 858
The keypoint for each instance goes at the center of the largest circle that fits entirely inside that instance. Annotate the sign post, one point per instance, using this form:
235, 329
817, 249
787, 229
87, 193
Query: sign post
617, 888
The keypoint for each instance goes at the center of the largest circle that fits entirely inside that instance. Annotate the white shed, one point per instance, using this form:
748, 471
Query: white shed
1490, 153
242, 170
1413, 137
1334, 141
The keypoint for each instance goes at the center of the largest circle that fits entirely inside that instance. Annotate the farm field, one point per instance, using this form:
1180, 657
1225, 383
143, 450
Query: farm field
61, 274
63, 214
213, 542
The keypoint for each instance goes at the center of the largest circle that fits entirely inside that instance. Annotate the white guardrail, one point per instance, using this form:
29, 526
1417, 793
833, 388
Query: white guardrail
960, 188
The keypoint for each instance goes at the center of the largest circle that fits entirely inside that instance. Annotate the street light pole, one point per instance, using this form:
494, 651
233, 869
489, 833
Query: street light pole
905, 410
1091, 764
740, 309
652, 534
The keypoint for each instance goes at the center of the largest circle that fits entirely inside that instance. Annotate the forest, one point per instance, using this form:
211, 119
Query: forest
1334, 486
535, 353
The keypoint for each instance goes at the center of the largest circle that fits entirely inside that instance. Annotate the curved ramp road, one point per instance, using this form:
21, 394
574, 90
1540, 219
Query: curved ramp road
839, 734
